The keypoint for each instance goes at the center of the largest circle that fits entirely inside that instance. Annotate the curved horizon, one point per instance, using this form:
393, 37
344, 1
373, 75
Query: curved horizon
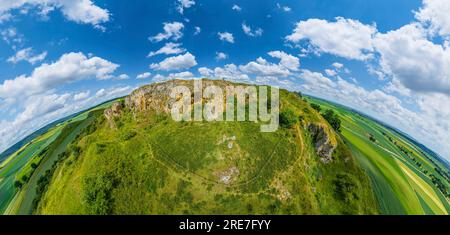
392, 67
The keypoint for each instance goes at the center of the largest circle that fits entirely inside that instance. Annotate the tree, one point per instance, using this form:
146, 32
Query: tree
24, 178
34, 165
333, 119
18, 184
316, 107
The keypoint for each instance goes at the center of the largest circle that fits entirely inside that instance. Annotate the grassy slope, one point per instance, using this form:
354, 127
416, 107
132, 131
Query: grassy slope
152, 165
69, 134
18, 164
385, 163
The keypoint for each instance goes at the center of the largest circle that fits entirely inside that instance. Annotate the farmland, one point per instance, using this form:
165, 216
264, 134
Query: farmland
20, 171
405, 178
143, 162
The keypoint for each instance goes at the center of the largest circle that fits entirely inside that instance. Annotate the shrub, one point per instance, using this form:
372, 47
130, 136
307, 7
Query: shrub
316, 107
333, 119
97, 193
25, 178
288, 118
18, 184
128, 135
345, 188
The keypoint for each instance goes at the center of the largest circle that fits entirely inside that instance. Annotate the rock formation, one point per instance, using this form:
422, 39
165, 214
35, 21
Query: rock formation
322, 142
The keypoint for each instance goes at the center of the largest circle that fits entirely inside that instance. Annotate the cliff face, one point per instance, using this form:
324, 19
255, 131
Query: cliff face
111, 113
156, 97
322, 142
153, 97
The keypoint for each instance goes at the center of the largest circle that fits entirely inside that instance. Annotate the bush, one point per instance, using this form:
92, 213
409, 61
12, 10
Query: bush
97, 193
345, 188
128, 135
25, 178
41, 187
288, 118
18, 184
316, 107
333, 119
76, 150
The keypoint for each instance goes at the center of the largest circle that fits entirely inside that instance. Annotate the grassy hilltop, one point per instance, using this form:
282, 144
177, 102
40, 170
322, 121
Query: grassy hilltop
145, 163
130, 157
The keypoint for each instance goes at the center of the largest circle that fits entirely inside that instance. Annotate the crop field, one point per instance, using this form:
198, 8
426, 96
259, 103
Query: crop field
402, 173
18, 166
30, 162
168, 167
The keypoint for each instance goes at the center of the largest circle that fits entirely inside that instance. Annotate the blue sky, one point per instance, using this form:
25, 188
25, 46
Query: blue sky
389, 59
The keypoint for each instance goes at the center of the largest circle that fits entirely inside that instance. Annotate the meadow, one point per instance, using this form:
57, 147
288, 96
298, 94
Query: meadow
150, 164
405, 178
20, 171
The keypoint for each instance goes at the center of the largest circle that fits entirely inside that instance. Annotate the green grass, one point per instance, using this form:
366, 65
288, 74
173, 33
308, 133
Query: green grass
388, 201
150, 164
19, 165
69, 133
401, 181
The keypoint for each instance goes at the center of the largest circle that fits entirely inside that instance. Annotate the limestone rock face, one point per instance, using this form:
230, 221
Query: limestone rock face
114, 111
322, 142
156, 97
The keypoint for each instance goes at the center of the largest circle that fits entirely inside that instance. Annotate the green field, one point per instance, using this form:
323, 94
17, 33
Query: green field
19, 164
143, 162
41, 151
401, 173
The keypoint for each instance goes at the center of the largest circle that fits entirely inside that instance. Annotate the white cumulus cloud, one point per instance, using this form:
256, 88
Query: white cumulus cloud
252, 33
435, 13
169, 48
288, 61
80, 11
70, 67
176, 63
344, 37
409, 57
27, 55
171, 31
182, 4
236, 8
143, 75
226, 36
221, 56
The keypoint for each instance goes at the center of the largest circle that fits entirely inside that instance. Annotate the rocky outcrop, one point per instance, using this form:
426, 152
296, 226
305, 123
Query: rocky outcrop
322, 142
153, 97
156, 97
114, 111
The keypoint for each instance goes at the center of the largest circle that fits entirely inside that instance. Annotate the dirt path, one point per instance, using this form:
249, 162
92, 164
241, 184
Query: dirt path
300, 137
